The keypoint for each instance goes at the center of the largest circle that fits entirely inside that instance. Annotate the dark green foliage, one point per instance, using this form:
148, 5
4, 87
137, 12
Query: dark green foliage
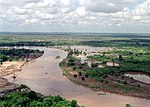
105, 76
32, 95
125, 82
27, 43
73, 103
120, 58
31, 99
47, 102
23, 86
83, 78
128, 105
75, 75
86, 75
74, 68
15, 54
80, 67
71, 61
93, 65
80, 73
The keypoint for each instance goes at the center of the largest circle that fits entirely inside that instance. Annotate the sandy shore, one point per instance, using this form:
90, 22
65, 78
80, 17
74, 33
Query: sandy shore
8, 68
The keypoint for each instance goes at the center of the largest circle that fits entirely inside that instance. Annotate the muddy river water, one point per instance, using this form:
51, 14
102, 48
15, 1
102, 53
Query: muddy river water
45, 76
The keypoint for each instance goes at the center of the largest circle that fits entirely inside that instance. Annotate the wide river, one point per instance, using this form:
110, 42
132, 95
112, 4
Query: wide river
45, 76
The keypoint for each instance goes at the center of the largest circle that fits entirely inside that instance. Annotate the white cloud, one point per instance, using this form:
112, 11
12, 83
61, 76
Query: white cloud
74, 13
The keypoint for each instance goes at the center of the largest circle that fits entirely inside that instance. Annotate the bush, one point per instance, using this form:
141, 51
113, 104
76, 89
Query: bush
83, 78
80, 73
47, 102
32, 95
125, 82
70, 63
80, 67
93, 65
105, 76
22, 99
128, 105
75, 75
86, 75
23, 86
74, 68
73, 103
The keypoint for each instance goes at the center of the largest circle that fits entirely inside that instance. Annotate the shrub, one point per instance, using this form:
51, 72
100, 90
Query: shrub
74, 68
73, 103
75, 75
70, 63
93, 65
86, 75
47, 102
105, 76
83, 78
128, 105
80, 67
118, 81
80, 73
125, 82
32, 95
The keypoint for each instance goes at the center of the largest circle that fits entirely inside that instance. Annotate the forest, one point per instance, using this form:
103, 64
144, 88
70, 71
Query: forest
32, 99
18, 54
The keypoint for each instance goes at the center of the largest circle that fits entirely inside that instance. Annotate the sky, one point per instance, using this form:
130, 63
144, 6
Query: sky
100, 16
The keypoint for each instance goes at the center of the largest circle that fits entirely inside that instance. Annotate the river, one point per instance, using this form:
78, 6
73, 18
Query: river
44, 75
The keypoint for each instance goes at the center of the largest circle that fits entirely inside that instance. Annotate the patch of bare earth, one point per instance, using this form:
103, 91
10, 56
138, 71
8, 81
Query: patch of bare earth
9, 68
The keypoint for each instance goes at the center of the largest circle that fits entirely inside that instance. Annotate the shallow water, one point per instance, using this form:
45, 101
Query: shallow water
34, 75
140, 77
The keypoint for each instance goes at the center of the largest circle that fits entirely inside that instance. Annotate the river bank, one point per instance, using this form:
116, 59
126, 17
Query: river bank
46, 78
98, 86
11, 67
75, 67
8, 68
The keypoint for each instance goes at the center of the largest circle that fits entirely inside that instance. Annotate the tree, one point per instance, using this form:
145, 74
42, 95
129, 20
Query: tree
120, 58
86, 75
75, 75
36, 104
93, 65
47, 102
73, 103
128, 105
32, 95
80, 73
74, 68
83, 78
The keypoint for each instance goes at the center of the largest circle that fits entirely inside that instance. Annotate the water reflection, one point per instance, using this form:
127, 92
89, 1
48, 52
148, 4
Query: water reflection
140, 77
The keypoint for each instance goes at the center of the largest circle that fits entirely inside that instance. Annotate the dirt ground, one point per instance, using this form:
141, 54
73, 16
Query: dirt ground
9, 68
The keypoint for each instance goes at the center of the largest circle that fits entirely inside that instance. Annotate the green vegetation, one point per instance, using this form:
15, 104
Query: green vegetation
18, 54
130, 59
32, 99
128, 105
118, 43
92, 39
110, 78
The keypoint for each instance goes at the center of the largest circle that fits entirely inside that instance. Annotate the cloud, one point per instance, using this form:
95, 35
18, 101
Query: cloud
106, 6
76, 13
